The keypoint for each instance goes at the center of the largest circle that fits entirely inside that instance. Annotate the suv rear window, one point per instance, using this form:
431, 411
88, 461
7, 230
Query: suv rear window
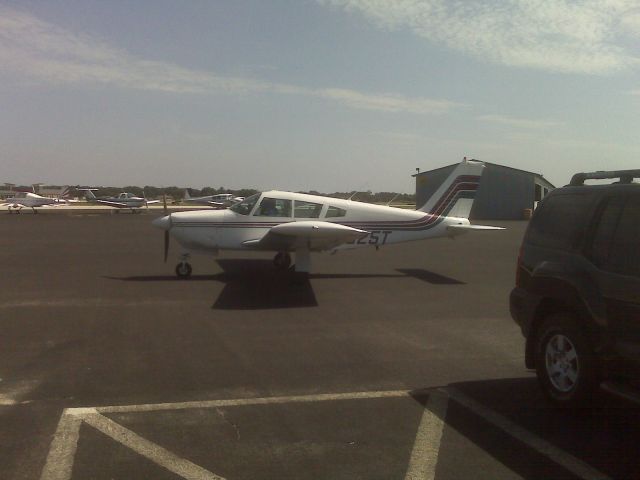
560, 221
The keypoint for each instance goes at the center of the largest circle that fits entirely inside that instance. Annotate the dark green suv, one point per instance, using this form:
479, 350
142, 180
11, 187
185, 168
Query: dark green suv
577, 294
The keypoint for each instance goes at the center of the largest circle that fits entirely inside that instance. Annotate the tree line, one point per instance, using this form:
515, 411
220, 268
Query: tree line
177, 193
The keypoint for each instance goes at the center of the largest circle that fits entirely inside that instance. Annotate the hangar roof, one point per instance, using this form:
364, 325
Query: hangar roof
538, 175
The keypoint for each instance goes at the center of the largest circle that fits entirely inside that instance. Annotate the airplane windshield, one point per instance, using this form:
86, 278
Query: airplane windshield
244, 207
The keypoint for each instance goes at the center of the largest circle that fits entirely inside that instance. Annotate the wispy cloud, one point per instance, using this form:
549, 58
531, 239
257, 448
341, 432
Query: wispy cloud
524, 123
579, 36
37, 50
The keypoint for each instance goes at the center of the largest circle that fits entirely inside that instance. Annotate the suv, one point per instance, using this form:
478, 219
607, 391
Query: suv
577, 294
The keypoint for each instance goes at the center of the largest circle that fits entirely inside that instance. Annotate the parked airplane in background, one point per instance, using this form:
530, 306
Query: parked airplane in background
285, 222
32, 200
124, 200
221, 200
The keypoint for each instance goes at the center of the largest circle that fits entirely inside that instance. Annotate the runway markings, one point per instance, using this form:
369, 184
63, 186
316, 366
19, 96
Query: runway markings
422, 463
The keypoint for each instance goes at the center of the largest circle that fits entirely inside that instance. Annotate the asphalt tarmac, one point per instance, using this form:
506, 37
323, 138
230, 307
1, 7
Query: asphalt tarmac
398, 363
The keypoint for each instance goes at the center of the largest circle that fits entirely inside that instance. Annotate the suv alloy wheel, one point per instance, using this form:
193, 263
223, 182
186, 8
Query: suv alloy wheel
565, 365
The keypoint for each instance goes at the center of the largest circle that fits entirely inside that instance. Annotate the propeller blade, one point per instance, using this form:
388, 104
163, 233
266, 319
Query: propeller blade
164, 203
166, 245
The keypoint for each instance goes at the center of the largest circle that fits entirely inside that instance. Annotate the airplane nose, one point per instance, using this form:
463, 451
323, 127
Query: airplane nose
163, 223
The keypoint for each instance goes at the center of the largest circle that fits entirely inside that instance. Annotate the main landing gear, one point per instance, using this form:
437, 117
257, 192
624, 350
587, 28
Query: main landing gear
282, 261
183, 269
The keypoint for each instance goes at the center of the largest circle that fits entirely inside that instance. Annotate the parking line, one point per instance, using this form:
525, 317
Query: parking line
424, 456
63, 448
566, 460
150, 450
153, 407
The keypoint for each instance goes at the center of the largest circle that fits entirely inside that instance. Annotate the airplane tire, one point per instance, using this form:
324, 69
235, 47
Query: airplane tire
282, 261
183, 270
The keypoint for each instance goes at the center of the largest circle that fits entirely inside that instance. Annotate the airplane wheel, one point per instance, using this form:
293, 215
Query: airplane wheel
282, 260
183, 270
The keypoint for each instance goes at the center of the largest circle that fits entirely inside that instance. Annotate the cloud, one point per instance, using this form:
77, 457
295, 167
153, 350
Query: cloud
571, 36
33, 49
519, 122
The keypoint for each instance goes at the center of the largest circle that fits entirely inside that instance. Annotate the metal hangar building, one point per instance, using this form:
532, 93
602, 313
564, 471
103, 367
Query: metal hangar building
504, 193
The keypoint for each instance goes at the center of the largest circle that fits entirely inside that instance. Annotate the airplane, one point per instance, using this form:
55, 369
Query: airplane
32, 200
221, 200
124, 200
285, 222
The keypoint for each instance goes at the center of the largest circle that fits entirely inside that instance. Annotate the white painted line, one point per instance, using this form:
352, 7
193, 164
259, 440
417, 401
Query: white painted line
424, 456
63, 448
566, 460
152, 407
155, 453
88, 302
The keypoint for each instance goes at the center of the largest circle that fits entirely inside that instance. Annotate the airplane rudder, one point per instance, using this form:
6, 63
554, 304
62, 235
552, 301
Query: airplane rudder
458, 189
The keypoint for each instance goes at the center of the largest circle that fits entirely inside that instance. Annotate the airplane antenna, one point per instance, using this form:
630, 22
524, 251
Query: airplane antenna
395, 196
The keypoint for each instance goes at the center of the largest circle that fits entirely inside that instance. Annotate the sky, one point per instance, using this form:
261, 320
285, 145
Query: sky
326, 95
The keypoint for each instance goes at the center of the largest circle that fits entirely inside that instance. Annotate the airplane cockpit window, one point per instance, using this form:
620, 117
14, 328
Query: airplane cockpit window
274, 207
333, 212
244, 207
307, 209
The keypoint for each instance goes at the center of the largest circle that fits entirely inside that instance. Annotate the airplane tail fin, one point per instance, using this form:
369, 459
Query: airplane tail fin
186, 194
454, 198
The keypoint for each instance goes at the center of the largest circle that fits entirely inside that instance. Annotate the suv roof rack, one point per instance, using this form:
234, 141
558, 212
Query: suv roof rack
625, 176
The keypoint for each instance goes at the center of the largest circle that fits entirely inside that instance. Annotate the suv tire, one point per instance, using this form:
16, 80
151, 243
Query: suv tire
565, 364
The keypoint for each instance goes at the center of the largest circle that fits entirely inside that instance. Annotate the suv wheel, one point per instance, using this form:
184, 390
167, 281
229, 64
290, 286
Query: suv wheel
565, 364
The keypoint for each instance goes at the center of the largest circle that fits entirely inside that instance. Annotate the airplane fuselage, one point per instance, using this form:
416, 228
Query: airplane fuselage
229, 230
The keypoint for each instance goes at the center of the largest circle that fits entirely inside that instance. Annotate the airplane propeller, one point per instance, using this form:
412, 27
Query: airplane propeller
166, 232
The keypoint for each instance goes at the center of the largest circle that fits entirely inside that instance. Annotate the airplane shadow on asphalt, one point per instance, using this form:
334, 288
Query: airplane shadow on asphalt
603, 436
253, 284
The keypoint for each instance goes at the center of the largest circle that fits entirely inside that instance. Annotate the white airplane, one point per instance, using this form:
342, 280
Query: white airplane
124, 200
221, 200
32, 200
285, 222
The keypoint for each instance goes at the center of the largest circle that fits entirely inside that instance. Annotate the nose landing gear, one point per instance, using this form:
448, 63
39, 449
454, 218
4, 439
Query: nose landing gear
282, 261
183, 269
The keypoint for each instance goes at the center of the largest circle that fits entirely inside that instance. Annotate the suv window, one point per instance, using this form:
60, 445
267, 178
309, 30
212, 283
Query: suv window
604, 231
620, 223
560, 221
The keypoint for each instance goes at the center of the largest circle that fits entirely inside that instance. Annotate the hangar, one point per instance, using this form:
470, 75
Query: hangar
505, 193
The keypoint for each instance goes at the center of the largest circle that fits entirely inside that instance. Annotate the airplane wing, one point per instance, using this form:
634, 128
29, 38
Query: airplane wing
210, 203
149, 202
216, 204
114, 204
460, 229
314, 235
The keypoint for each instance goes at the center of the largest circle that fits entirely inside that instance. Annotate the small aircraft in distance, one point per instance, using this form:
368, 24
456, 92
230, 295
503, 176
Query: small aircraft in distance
124, 200
221, 200
285, 222
31, 200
